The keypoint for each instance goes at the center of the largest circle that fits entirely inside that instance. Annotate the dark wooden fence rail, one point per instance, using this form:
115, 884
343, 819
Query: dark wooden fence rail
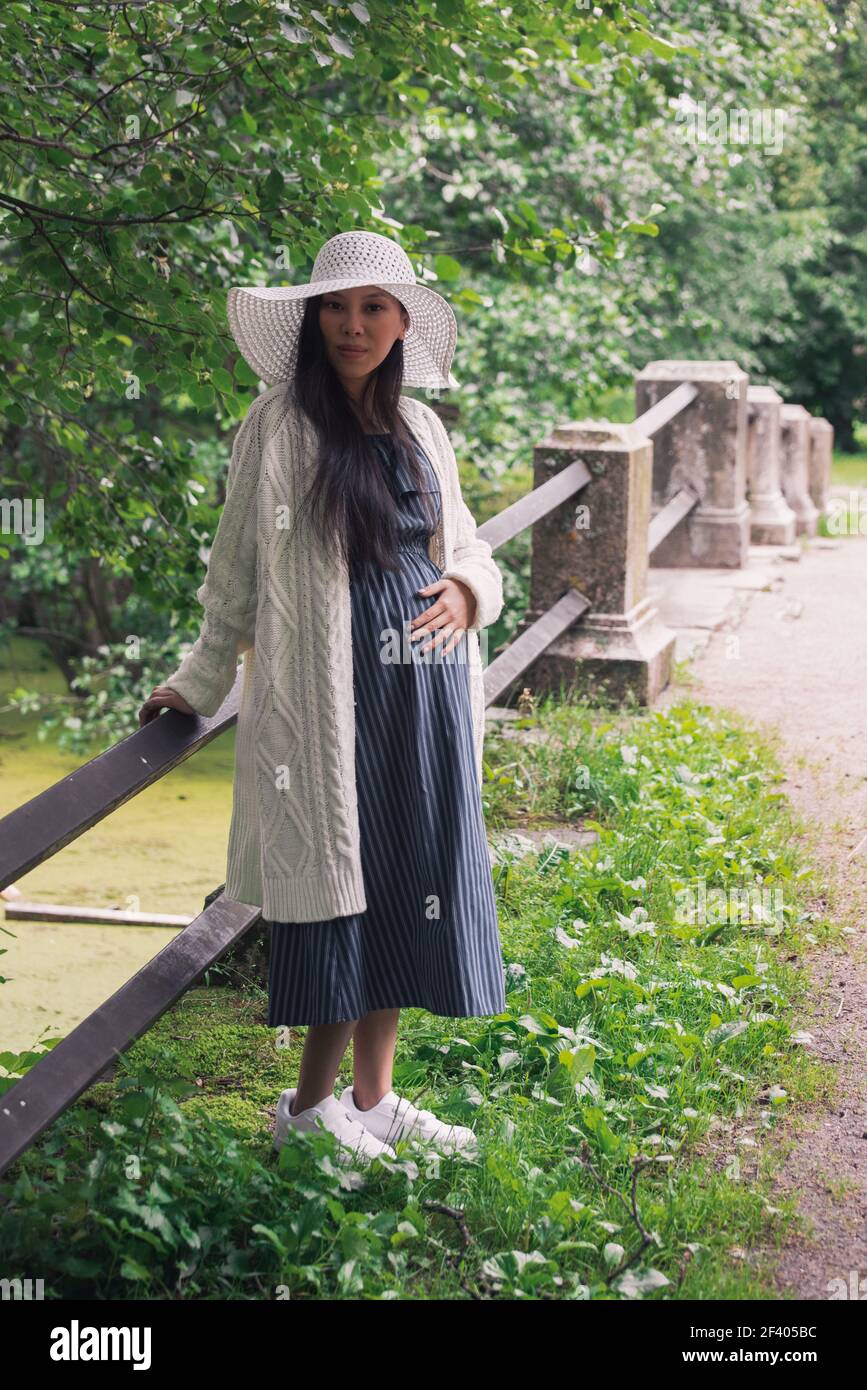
614, 464
33, 832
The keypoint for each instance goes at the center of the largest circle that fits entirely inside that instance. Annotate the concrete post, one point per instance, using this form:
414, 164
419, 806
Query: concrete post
819, 465
704, 446
597, 543
772, 521
795, 441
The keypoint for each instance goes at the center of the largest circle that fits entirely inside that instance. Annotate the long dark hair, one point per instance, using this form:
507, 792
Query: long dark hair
351, 499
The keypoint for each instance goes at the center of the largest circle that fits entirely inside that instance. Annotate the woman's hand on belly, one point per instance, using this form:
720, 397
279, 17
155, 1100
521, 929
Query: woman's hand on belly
448, 616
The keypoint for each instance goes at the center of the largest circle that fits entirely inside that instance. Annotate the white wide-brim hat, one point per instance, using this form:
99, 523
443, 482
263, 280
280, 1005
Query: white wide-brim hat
265, 321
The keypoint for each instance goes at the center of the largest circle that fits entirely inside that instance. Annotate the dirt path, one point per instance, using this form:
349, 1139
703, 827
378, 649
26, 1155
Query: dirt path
798, 661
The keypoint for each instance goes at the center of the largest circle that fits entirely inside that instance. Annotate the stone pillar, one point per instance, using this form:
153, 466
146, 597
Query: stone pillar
795, 456
705, 446
597, 543
772, 521
819, 464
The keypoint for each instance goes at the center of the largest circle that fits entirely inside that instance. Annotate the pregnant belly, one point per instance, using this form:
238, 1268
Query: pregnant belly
384, 606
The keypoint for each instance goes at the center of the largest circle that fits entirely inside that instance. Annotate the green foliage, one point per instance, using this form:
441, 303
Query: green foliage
18, 1064
817, 345
105, 695
760, 256
155, 157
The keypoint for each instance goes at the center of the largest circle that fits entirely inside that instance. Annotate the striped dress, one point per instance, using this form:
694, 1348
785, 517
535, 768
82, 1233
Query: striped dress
429, 938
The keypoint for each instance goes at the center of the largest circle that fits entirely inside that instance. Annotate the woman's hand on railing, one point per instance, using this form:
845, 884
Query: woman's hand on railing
162, 695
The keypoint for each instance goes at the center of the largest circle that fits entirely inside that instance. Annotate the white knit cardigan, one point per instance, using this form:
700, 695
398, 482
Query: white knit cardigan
285, 604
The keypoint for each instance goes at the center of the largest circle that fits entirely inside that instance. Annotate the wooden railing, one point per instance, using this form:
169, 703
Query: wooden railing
57, 816
41, 827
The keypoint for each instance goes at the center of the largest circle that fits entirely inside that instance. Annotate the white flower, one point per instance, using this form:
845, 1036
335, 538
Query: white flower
614, 966
565, 939
636, 1282
637, 923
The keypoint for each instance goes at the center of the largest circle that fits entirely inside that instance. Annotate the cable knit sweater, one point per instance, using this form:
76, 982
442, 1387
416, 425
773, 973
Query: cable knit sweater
284, 604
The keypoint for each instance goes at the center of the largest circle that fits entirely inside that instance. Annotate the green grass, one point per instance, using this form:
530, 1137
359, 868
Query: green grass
850, 470
632, 1041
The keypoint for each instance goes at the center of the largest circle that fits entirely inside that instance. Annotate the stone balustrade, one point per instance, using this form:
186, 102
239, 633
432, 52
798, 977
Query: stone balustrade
727, 466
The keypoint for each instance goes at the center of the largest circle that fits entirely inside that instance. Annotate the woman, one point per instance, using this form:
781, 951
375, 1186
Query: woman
333, 508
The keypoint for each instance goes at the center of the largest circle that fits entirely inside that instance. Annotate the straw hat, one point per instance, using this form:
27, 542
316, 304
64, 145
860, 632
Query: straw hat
265, 321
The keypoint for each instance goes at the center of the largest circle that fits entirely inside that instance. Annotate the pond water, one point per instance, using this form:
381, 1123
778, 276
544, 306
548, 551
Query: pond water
163, 851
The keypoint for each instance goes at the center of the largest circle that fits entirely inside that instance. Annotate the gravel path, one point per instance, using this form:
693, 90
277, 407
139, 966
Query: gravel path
798, 661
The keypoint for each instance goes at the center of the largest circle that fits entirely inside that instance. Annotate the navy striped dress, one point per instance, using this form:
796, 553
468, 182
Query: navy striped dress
429, 938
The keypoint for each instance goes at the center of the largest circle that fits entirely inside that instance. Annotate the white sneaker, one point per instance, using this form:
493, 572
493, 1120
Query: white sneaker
396, 1118
357, 1144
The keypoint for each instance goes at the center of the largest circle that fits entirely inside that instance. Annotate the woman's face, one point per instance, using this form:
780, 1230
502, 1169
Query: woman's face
366, 320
